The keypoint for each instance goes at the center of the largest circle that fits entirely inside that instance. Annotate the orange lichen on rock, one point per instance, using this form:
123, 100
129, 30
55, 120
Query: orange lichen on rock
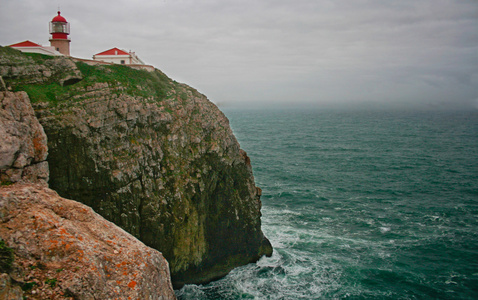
132, 284
69, 265
122, 264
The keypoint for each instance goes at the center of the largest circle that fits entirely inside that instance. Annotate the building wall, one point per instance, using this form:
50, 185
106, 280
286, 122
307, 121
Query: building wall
130, 59
115, 59
41, 50
135, 59
62, 46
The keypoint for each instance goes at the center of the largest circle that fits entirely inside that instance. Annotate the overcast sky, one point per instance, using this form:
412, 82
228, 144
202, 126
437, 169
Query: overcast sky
407, 53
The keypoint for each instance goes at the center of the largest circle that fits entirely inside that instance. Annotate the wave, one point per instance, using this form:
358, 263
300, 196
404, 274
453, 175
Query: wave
360, 206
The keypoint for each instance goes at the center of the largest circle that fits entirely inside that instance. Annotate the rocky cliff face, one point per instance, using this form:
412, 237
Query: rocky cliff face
61, 248
151, 155
23, 147
64, 250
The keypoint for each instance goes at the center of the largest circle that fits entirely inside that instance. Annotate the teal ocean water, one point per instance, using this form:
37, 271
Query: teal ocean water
360, 205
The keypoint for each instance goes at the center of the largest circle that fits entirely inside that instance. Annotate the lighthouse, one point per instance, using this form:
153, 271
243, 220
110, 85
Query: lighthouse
59, 30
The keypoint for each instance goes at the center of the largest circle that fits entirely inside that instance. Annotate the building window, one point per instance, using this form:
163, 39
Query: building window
122, 62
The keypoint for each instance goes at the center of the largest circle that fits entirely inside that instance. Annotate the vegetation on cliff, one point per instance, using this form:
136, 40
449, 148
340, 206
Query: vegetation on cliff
56, 80
51, 247
6, 257
152, 155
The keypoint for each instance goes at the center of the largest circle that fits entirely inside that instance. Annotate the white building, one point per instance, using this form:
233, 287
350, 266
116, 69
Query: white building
118, 56
31, 47
59, 41
60, 45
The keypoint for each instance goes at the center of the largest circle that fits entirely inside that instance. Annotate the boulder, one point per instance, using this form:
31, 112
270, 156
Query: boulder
64, 249
23, 150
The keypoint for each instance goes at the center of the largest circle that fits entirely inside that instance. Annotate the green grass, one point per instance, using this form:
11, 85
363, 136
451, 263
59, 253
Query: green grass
183, 95
137, 82
28, 286
154, 86
44, 93
39, 58
51, 281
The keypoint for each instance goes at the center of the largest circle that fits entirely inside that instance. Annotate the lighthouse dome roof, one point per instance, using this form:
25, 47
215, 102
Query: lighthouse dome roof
59, 18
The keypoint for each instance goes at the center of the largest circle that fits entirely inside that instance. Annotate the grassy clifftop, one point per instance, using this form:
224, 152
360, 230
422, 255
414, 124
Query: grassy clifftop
53, 79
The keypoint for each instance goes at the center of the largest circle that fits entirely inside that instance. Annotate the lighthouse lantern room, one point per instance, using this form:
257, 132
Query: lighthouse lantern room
59, 30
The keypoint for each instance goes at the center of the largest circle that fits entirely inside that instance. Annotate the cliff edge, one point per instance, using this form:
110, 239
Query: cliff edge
151, 155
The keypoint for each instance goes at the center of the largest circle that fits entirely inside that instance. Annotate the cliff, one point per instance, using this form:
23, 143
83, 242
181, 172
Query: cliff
54, 248
23, 149
149, 154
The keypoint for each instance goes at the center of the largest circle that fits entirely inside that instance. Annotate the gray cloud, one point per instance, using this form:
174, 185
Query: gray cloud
417, 53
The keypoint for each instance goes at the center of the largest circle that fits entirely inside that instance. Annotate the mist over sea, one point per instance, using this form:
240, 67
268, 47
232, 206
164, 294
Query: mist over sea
360, 205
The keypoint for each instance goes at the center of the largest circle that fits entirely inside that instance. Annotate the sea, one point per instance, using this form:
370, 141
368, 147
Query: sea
359, 204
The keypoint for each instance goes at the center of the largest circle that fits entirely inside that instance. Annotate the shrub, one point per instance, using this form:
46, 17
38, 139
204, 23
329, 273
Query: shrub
6, 257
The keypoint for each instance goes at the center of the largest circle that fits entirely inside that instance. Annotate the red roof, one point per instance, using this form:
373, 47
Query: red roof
25, 44
59, 18
113, 51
